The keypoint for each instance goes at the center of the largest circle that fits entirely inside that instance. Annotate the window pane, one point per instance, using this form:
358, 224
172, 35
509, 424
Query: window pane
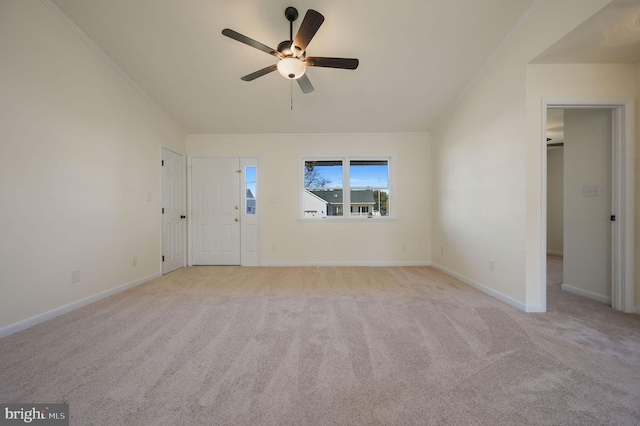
323, 188
250, 190
369, 181
325, 194
361, 202
323, 174
369, 173
323, 202
381, 201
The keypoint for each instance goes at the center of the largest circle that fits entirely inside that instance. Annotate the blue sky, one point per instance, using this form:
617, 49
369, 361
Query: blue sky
250, 178
360, 176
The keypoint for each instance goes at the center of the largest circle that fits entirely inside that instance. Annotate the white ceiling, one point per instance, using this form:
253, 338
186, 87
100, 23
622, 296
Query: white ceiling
610, 36
416, 58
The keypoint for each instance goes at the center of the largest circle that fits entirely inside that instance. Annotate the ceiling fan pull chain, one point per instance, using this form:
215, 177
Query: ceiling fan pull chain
291, 91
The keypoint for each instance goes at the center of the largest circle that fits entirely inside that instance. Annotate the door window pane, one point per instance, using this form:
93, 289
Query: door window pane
250, 190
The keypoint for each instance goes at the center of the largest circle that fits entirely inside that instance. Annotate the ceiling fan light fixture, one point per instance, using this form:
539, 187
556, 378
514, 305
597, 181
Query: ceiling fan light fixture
292, 53
291, 68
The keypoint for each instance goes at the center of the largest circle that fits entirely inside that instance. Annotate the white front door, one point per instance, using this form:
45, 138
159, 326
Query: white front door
215, 207
173, 211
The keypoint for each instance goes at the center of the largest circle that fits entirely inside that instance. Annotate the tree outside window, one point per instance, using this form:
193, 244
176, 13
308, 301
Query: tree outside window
365, 196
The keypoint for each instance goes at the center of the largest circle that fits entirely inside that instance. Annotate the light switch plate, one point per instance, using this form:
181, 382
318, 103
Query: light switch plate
591, 191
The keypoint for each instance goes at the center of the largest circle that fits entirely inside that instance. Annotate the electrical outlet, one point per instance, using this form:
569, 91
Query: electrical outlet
404, 247
75, 276
274, 248
491, 264
134, 262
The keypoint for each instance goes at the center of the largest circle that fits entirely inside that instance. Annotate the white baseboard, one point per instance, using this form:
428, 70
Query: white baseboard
46, 316
491, 292
535, 308
586, 293
555, 253
339, 264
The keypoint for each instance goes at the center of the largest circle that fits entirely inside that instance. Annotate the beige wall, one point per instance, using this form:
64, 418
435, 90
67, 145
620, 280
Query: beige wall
486, 202
555, 200
575, 81
366, 242
79, 158
80, 182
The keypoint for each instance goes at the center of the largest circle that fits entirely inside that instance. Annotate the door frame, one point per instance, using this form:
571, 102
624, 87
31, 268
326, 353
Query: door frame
623, 200
244, 160
184, 205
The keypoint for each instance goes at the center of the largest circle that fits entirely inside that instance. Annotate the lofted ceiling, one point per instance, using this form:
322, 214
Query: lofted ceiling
416, 57
610, 36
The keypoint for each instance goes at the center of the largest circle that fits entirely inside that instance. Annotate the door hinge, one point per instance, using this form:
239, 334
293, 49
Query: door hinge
613, 218
163, 210
163, 258
163, 162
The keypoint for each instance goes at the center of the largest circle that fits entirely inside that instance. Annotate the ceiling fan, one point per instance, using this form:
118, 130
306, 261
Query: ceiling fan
292, 56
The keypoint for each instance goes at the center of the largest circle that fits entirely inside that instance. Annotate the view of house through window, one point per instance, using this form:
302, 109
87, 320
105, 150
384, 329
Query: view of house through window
351, 188
250, 190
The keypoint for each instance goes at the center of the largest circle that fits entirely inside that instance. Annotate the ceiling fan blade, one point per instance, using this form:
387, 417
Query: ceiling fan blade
250, 42
305, 84
343, 63
310, 25
260, 73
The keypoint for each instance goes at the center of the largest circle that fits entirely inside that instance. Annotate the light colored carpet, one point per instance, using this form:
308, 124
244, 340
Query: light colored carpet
323, 346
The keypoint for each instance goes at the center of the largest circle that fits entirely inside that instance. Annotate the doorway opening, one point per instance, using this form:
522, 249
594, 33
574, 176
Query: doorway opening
579, 201
618, 255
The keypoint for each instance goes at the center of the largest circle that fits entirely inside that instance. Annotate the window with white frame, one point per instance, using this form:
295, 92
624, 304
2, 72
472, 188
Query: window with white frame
349, 188
250, 190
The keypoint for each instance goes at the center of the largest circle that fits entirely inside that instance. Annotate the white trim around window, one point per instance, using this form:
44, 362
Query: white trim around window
335, 181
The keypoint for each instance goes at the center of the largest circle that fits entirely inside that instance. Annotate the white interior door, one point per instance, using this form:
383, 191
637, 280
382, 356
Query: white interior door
173, 212
588, 202
215, 207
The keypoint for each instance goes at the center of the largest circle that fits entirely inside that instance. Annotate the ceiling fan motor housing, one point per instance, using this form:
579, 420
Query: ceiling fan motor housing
292, 56
285, 48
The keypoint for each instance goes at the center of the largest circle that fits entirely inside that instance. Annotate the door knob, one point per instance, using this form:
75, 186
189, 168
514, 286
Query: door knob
236, 219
